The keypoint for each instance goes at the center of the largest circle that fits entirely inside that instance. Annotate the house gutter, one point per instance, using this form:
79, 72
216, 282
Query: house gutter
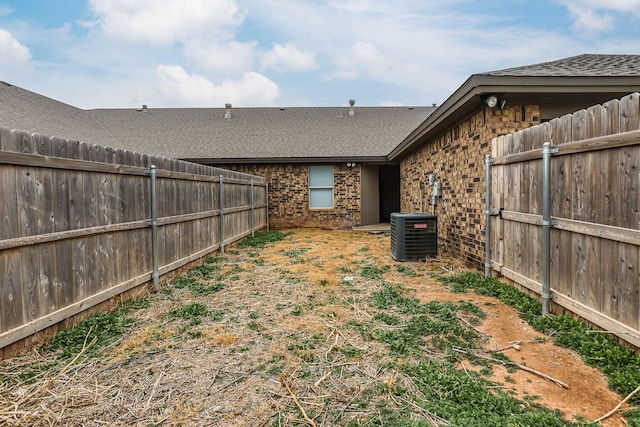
299, 160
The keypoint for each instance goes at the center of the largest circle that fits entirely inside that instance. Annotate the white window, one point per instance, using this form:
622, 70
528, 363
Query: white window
321, 187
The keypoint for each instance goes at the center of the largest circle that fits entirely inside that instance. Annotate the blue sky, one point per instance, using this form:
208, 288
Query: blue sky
252, 53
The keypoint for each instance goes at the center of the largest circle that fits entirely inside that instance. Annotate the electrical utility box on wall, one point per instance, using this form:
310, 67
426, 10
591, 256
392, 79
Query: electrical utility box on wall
414, 236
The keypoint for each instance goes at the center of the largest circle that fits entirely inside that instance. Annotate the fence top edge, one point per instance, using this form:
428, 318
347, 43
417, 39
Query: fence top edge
588, 144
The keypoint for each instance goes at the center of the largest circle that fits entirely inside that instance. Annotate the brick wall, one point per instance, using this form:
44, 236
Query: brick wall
456, 158
289, 196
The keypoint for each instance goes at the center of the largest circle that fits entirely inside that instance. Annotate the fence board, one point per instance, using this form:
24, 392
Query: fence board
595, 242
9, 205
8, 140
74, 225
630, 112
62, 216
500, 198
11, 308
25, 144
629, 175
575, 287
590, 278
30, 264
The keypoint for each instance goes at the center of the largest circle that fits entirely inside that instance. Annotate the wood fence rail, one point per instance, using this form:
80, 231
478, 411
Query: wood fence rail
595, 213
75, 225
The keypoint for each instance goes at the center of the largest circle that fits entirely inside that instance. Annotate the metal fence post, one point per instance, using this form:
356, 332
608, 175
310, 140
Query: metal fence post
267, 198
487, 240
221, 214
547, 151
154, 228
251, 219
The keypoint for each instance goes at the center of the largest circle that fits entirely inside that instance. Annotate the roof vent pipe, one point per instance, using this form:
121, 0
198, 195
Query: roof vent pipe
352, 102
144, 108
227, 112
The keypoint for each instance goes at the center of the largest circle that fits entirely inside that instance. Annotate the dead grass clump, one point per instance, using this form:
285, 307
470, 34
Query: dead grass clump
219, 338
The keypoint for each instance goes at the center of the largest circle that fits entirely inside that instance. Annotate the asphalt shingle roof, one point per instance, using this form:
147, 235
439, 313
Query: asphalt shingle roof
204, 133
255, 133
25, 110
586, 65
274, 134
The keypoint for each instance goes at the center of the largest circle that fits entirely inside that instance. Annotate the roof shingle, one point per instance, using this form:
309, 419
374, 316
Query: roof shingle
256, 133
204, 133
586, 65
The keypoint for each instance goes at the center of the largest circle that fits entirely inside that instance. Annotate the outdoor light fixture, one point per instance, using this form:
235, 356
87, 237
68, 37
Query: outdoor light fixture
491, 101
351, 165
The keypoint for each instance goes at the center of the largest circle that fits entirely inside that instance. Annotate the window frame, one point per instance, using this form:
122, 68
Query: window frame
322, 187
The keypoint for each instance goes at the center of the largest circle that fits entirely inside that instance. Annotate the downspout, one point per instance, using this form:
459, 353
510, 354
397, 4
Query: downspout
547, 151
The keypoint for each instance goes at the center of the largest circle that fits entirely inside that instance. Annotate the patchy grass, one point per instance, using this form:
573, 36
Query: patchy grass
95, 333
621, 365
285, 332
261, 239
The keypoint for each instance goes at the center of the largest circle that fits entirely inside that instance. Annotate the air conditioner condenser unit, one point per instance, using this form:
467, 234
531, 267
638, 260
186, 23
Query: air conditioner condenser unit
414, 236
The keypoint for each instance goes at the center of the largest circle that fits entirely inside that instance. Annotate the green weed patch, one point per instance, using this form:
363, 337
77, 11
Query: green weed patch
621, 365
373, 272
100, 330
193, 312
262, 239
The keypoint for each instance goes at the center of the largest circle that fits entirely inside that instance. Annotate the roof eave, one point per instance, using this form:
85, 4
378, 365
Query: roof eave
290, 160
469, 98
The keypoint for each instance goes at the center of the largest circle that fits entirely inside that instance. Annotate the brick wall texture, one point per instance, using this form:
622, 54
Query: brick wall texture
456, 158
289, 196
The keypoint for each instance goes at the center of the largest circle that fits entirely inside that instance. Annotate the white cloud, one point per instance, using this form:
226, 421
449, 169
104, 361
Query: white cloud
363, 60
252, 89
390, 103
288, 58
599, 15
166, 21
12, 52
422, 49
227, 59
585, 19
5, 10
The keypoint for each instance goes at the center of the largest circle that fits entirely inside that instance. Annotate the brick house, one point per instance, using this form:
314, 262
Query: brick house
452, 142
326, 166
339, 167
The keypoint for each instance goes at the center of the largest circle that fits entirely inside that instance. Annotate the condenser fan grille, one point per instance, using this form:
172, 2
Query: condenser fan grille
414, 236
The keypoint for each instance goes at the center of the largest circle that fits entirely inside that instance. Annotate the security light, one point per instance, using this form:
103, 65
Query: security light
491, 101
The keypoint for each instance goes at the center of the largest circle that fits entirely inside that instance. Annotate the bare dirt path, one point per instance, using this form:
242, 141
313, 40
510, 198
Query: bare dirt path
288, 335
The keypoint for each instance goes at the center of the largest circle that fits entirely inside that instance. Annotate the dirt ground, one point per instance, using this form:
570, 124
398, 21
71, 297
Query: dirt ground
275, 348
588, 395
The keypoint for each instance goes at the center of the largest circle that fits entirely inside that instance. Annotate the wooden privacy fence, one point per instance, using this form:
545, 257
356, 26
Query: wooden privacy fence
594, 268
77, 224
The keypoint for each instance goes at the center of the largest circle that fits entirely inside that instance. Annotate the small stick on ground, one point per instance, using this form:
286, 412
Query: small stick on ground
153, 391
357, 310
305, 417
513, 345
433, 419
324, 377
618, 406
523, 367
